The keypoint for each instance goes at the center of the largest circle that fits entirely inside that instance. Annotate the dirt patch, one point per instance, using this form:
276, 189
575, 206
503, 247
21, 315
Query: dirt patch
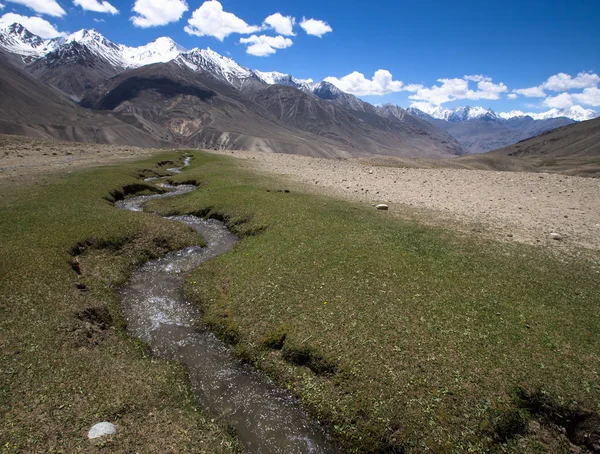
512, 206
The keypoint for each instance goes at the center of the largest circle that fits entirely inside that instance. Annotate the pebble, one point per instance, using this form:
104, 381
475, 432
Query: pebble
556, 236
101, 429
381, 206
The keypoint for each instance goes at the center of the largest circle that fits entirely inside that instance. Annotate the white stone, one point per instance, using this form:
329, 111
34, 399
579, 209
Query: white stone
101, 429
381, 206
556, 236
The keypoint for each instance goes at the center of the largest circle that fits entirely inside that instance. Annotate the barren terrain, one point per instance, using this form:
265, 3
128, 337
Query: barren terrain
513, 206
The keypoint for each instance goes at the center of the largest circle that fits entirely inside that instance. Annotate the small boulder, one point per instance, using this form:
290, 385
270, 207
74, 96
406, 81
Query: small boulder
102, 429
381, 206
556, 236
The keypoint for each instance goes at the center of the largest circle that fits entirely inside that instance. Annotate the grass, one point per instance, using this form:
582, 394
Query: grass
65, 360
399, 337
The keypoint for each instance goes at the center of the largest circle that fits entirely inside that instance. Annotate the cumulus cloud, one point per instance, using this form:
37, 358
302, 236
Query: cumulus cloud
283, 25
1, 6
35, 25
562, 101
454, 89
531, 92
382, 83
154, 13
96, 6
263, 45
211, 20
512, 96
589, 96
315, 27
564, 82
49, 7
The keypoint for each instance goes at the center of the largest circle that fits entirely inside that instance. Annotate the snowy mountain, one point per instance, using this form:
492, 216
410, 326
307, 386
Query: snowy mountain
222, 68
17, 40
277, 78
456, 115
161, 50
576, 113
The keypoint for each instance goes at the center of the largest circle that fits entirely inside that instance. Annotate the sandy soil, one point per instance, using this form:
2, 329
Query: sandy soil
512, 206
23, 157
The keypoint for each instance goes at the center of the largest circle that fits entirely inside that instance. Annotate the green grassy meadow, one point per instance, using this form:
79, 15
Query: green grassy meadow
399, 337
396, 336
65, 360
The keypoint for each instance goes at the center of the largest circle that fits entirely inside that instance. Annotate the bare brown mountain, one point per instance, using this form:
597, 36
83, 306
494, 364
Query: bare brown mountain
196, 109
573, 149
30, 107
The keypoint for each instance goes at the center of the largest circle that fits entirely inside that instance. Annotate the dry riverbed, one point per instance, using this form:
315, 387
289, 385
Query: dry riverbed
512, 206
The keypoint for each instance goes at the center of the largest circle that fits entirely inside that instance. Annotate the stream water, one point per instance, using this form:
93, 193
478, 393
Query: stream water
266, 419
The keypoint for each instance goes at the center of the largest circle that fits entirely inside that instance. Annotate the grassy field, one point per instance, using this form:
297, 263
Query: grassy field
65, 361
399, 337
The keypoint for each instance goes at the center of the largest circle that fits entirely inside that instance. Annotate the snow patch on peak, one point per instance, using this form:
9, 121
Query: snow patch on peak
161, 50
575, 113
277, 78
208, 60
16, 39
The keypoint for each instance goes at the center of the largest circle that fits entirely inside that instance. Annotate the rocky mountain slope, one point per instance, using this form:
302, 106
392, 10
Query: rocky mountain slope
30, 107
193, 107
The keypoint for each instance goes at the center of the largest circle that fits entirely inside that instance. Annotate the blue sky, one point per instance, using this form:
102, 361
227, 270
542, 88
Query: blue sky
428, 47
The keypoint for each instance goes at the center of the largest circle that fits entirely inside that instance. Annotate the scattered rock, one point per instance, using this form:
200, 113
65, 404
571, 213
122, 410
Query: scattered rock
381, 206
102, 429
556, 236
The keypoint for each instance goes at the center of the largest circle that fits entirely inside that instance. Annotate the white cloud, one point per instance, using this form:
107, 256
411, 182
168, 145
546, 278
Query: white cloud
49, 7
153, 13
564, 82
263, 45
453, 89
315, 27
35, 25
1, 6
562, 101
531, 92
96, 6
99, 21
512, 96
211, 20
590, 96
284, 25
382, 83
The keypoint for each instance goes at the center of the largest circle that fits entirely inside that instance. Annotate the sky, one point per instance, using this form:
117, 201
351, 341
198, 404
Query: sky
508, 55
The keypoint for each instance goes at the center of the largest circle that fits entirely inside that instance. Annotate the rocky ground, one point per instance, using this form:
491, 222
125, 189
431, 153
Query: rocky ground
512, 206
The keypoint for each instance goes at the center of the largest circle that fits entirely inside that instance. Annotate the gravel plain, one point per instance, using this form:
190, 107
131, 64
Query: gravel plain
511, 206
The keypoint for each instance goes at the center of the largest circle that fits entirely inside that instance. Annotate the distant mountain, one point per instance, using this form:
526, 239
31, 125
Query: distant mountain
572, 149
479, 130
576, 113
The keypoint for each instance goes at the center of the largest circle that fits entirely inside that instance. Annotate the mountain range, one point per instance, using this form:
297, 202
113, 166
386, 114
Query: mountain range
170, 95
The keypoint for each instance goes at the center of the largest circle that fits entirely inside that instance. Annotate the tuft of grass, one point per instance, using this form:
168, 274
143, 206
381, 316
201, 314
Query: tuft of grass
430, 332
66, 362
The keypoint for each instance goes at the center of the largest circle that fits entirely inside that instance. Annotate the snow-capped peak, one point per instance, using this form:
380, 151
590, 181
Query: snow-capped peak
456, 115
161, 50
16, 39
210, 61
576, 113
274, 77
470, 113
